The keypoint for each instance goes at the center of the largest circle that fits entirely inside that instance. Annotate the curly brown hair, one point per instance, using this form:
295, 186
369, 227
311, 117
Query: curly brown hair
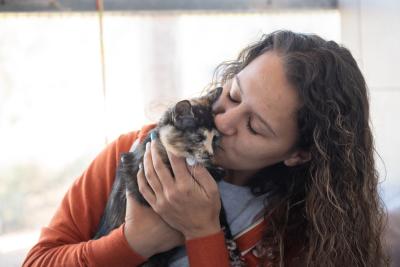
326, 212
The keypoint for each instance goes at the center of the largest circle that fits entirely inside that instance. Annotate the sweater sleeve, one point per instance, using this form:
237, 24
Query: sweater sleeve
66, 241
208, 251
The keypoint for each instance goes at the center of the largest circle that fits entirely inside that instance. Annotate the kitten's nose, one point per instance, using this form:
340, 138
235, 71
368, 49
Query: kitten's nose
207, 155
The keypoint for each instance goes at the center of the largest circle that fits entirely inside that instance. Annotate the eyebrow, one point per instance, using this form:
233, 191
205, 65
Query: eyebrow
258, 116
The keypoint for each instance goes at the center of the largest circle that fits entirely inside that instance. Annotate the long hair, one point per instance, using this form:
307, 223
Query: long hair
326, 212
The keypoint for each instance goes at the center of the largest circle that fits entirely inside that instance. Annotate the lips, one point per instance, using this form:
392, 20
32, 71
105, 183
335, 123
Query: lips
216, 142
219, 146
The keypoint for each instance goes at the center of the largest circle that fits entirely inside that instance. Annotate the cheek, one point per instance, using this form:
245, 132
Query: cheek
238, 161
260, 154
243, 153
248, 153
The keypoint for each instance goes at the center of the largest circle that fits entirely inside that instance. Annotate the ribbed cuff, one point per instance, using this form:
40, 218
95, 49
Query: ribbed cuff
208, 251
114, 250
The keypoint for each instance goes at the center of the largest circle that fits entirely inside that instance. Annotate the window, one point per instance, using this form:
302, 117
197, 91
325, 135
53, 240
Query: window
54, 117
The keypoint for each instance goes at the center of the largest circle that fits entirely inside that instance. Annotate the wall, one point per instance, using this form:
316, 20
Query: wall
371, 29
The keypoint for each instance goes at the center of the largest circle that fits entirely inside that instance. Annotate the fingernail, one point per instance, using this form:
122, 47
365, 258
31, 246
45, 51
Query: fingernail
147, 146
153, 136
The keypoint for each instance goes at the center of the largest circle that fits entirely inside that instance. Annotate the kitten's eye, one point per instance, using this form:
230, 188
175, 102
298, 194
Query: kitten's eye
187, 123
200, 138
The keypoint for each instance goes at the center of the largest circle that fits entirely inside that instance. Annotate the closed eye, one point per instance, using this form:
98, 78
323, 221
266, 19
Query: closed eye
231, 99
248, 124
251, 128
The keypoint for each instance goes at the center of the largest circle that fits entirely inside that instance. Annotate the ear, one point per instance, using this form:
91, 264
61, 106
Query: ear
214, 94
297, 158
183, 109
183, 115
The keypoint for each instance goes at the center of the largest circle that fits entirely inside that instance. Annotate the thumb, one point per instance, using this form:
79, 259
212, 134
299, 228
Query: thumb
130, 206
133, 207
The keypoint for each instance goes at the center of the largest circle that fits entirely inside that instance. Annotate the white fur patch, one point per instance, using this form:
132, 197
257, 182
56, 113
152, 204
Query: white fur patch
191, 161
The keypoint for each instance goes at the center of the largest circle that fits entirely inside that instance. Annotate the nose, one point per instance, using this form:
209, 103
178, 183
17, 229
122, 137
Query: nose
226, 116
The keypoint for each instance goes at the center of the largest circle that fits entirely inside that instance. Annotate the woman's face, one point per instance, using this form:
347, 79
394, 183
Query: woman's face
256, 115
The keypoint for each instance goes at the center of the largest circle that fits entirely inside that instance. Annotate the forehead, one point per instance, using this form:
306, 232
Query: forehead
267, 92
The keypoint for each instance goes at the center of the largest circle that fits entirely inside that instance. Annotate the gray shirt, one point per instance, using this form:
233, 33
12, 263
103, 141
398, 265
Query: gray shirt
242, 210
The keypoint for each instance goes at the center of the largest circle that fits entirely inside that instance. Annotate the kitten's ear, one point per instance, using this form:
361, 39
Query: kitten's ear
183, 115
214, 94
183, 108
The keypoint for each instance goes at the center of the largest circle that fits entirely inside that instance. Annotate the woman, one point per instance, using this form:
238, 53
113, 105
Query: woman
294, 119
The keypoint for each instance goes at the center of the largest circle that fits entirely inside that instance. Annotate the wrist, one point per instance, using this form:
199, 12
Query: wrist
139, 243
197, 233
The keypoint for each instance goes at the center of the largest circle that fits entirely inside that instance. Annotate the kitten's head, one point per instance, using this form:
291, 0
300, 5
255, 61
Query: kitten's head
189, 130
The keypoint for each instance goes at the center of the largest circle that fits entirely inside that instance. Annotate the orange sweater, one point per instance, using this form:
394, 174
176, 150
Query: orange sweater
67, 239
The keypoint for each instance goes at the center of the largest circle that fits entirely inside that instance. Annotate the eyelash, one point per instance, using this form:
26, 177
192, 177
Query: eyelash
249, 127
231, 99
248, 121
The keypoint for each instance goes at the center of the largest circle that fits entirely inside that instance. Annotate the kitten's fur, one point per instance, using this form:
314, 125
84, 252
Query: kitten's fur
187, 130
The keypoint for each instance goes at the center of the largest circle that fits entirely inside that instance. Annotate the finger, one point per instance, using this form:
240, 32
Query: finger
145, 189
131, 206
150, 173
203, 177
162, 171
179, 168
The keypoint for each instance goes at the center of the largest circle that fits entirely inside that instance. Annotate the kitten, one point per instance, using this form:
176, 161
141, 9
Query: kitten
186, 130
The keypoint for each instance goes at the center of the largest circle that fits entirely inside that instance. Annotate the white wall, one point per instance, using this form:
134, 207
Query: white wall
371, 29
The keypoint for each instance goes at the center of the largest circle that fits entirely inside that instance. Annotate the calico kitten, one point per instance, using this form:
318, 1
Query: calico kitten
186, 130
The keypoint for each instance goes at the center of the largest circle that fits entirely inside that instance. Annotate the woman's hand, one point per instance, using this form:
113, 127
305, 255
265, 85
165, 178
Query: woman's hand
188, 201
145, 231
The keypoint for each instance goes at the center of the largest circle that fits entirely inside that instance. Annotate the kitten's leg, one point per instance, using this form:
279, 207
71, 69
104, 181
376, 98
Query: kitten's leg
114, 213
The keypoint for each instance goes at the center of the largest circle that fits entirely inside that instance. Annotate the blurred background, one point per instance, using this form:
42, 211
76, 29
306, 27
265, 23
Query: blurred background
75, 74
